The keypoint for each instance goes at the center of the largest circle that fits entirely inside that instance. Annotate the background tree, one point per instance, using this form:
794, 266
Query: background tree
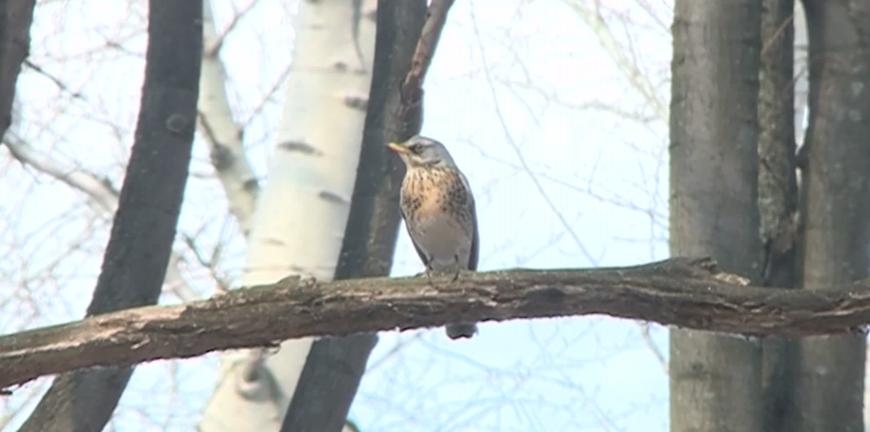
777, 191
714, 174
816, 383
835, 206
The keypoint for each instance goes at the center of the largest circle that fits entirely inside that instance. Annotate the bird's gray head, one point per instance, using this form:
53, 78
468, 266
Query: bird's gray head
420, 151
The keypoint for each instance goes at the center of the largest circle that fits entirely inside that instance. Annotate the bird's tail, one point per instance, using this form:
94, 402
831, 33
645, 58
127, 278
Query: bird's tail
458, 331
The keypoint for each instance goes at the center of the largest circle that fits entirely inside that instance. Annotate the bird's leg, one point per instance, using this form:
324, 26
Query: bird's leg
429, 273
458, 268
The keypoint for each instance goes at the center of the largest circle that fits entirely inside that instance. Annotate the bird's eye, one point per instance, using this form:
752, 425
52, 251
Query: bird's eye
414, 148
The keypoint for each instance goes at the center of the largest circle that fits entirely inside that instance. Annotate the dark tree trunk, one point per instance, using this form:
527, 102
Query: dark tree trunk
15, 19
715, 379
138, 252
835, 207
777, 195
335, 366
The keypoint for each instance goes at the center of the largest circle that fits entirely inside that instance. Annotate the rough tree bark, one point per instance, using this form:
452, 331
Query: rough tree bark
685, 293
713, 202
15, 19
835, 207
777, 195
140, 243
335, 366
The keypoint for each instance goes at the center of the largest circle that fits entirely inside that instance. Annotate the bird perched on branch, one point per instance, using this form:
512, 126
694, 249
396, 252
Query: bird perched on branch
438, 209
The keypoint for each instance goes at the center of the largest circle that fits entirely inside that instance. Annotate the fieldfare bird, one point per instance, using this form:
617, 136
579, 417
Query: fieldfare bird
438, 209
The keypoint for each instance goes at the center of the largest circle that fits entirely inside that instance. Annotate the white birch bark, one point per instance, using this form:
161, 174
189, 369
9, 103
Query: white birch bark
221, 131
301, 213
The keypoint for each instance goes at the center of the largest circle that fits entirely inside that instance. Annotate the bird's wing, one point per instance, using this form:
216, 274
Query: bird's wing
475, 240
420, 253
475, 236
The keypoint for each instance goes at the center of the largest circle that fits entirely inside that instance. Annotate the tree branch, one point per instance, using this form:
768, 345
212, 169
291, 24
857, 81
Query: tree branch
411, 90
222, 134
98, 190
436, 17
682, 292
102, 197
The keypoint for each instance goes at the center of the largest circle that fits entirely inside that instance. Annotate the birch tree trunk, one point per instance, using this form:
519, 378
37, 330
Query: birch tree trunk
302, 211
715, 379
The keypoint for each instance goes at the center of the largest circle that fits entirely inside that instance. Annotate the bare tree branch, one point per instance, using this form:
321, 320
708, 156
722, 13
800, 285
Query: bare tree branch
682, 292
411, 108
520, 156
628, 65
98, 190
103, 198
436, 17
75, 94
223, 135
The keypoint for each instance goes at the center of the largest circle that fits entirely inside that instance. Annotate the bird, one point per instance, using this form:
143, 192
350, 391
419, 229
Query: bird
438, 208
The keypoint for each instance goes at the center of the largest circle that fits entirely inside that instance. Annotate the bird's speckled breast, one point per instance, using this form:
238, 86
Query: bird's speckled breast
429, 191
439, 208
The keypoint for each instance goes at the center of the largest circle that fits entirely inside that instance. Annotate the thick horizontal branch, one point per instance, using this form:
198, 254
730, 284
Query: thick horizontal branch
681, 292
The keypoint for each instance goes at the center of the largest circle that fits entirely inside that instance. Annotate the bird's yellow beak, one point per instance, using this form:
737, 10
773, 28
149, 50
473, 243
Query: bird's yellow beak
398, 148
